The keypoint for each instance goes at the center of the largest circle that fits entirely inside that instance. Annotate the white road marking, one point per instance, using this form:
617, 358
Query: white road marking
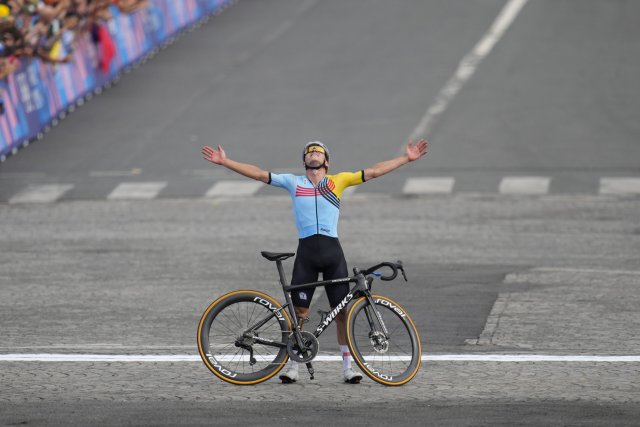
428, 185
619, 185
137, 190
575, 358
286, 25
524, 185
585, 270
41, 193
467, 68
280, 30
529, 358
103, 174
234, 188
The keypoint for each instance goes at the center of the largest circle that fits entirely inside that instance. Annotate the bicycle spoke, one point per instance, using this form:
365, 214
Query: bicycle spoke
227, 327
231, 319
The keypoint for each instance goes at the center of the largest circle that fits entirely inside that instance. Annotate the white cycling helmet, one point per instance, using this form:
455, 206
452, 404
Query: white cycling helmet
317, 144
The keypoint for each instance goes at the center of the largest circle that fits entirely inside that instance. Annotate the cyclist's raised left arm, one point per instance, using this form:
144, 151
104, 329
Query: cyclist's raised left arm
412, 152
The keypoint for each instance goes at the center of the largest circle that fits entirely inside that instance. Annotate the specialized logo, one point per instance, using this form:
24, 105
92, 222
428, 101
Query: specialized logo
219, 368
378, 374
330, 316
391, 306
275, 310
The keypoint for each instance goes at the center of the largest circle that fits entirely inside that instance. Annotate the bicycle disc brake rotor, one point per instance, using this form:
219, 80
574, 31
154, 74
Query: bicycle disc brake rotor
379, 342
310, 342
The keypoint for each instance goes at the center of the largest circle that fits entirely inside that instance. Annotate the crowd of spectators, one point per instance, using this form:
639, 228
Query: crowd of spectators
48, 29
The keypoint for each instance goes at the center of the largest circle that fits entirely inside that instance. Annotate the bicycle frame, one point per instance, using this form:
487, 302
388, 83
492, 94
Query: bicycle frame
360, 288
251, 326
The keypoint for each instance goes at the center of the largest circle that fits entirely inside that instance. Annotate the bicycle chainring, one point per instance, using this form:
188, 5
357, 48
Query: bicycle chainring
310, 342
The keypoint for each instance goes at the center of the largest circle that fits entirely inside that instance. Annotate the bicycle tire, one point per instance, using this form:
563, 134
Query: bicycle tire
225, 319
393, 362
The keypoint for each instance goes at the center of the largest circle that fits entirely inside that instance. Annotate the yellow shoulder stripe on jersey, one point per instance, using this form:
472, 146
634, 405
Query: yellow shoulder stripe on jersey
343, 180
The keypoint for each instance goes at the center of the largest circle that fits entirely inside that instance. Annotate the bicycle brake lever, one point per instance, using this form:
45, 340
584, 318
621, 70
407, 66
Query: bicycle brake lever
401, 268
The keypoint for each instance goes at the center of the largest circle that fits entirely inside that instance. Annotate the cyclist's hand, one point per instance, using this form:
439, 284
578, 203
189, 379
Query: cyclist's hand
214, 156
416, 150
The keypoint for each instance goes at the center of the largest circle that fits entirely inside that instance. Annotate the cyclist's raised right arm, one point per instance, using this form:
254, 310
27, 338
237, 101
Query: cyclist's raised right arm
219, 157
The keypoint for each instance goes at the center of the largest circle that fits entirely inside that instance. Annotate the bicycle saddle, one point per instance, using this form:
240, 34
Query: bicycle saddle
276, 256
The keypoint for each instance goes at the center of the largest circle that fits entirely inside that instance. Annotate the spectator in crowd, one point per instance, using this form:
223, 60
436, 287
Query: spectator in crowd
47, 29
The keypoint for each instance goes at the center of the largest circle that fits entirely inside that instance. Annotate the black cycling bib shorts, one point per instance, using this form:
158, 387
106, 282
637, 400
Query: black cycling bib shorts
319, 254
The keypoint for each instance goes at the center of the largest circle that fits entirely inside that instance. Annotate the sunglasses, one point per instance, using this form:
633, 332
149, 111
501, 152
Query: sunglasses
314, 148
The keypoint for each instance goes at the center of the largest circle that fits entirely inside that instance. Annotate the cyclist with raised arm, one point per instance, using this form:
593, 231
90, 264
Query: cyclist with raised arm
316, 200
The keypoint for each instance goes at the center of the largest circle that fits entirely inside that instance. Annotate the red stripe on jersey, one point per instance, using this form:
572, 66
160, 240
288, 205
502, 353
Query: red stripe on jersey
301, 191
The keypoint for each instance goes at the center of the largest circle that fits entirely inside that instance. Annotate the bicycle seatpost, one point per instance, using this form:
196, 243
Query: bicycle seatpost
283, 278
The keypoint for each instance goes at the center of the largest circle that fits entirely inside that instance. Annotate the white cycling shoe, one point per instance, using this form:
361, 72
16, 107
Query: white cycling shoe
289, 376
351, 376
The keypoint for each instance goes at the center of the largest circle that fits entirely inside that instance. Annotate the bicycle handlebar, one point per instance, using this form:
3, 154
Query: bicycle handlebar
394, 266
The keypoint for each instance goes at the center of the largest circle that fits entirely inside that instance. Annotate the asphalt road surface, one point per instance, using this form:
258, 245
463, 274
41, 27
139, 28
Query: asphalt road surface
520, 230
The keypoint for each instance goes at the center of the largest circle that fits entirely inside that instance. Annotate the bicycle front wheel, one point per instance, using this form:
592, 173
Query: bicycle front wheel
390, 359
224, 349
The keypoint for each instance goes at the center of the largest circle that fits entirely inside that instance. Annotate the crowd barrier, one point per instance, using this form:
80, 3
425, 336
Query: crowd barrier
38, 94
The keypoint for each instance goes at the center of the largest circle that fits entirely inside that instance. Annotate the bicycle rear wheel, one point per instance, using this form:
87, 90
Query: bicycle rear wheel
393, 361
220, 330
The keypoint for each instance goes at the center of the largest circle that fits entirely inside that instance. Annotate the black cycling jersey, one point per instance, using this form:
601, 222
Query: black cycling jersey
319, 254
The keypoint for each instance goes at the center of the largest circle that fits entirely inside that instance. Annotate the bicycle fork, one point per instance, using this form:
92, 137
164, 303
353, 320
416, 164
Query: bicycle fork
373, 335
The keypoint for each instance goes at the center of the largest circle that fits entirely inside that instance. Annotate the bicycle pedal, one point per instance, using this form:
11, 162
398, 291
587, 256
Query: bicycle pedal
311, 370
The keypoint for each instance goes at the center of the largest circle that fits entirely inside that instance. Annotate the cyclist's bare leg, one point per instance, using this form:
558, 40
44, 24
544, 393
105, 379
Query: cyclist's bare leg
341, 322
301, 313
350, 375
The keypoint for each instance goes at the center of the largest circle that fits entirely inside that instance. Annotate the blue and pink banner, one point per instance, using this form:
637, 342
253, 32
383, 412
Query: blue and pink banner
38, 92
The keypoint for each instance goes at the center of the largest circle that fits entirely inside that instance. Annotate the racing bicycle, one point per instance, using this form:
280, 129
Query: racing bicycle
246, 337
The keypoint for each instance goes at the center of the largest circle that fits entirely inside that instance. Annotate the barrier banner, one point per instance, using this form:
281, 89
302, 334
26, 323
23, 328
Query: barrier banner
39, 92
